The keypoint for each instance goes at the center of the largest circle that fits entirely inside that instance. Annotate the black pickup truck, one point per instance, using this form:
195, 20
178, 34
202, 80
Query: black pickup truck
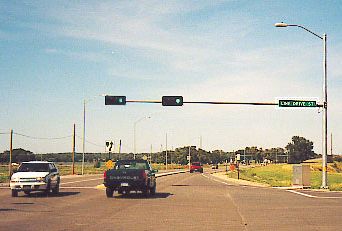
130, 175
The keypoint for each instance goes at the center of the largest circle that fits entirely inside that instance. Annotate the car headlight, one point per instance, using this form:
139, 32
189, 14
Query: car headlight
40, 178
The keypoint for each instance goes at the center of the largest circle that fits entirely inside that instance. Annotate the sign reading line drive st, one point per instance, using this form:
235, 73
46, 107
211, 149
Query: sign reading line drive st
297, 103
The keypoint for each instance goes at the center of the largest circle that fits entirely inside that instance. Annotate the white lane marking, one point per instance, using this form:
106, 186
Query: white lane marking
311, 196
215, 180
81, 181
302, 194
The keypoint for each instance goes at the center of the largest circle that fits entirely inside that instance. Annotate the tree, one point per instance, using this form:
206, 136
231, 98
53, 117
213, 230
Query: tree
18, 155
300, 149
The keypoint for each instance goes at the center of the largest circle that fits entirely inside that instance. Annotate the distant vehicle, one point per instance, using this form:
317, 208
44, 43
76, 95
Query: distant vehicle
214, 166
35, 176
130, 175
196, 167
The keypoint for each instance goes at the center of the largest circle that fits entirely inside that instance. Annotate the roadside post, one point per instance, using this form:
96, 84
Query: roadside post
109, 148
238, 157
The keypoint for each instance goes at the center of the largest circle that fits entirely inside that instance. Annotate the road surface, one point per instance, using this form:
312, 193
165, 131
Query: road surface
183, 202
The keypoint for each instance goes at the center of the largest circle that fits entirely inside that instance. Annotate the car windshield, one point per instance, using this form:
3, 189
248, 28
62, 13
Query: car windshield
131, 165
34, 167
196, 164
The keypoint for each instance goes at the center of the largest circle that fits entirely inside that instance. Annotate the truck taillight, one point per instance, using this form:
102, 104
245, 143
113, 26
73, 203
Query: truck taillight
105, 175
144, 176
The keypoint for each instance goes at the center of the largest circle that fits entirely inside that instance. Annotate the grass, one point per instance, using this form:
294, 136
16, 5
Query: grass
3, 173
280, 175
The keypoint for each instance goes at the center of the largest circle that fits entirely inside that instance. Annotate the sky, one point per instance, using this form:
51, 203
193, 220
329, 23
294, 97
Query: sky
56, 54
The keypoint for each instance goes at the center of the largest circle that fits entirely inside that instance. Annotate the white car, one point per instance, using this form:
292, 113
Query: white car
35, 176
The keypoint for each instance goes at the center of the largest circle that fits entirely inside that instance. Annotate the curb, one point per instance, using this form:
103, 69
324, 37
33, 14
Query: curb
170, 173
240, 182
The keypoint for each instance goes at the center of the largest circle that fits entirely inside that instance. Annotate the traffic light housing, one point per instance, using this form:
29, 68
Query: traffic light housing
172, 101
115, 100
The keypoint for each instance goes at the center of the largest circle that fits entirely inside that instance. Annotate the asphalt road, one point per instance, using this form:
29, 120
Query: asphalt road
183, 202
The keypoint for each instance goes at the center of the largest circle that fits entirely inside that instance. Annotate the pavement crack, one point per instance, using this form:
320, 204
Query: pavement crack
243, 219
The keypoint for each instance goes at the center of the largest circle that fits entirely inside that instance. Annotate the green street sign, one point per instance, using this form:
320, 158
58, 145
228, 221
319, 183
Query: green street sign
297, 103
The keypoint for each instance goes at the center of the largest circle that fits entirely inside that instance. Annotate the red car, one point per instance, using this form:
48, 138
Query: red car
196, 167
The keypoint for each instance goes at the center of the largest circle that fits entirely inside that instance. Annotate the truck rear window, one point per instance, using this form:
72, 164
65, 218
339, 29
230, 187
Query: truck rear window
131, 165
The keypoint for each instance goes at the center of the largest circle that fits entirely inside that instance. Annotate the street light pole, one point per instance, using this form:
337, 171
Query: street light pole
134, 133
325, 103
84, 128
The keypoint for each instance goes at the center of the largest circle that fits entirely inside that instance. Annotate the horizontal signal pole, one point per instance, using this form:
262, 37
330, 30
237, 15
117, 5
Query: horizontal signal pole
215, 103
200, 102
143, 101
238, 103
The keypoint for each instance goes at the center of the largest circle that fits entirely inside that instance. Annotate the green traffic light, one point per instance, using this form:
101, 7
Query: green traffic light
172, 100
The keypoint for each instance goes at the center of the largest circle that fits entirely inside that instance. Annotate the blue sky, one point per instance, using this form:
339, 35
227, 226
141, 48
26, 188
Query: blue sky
55, 55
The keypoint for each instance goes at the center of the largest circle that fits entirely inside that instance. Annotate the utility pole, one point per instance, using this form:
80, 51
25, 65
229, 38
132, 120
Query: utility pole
331, 145
73, 150
10, 157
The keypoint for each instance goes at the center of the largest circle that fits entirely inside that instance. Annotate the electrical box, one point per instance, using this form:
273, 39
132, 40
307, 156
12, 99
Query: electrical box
301, 176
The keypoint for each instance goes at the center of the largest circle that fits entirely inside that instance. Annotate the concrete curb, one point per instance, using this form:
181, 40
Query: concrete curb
222, 176
170, 173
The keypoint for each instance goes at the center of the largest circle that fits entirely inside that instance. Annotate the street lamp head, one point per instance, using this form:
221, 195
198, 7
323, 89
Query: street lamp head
281, 24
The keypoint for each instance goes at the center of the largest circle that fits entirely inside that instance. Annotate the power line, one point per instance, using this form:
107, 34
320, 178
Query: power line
42, 138
89, 142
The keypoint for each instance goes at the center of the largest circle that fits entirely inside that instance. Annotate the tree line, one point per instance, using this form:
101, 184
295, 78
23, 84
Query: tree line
297, 151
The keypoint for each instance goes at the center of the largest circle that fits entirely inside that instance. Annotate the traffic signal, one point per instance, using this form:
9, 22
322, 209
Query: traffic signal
172, 101
115, 100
